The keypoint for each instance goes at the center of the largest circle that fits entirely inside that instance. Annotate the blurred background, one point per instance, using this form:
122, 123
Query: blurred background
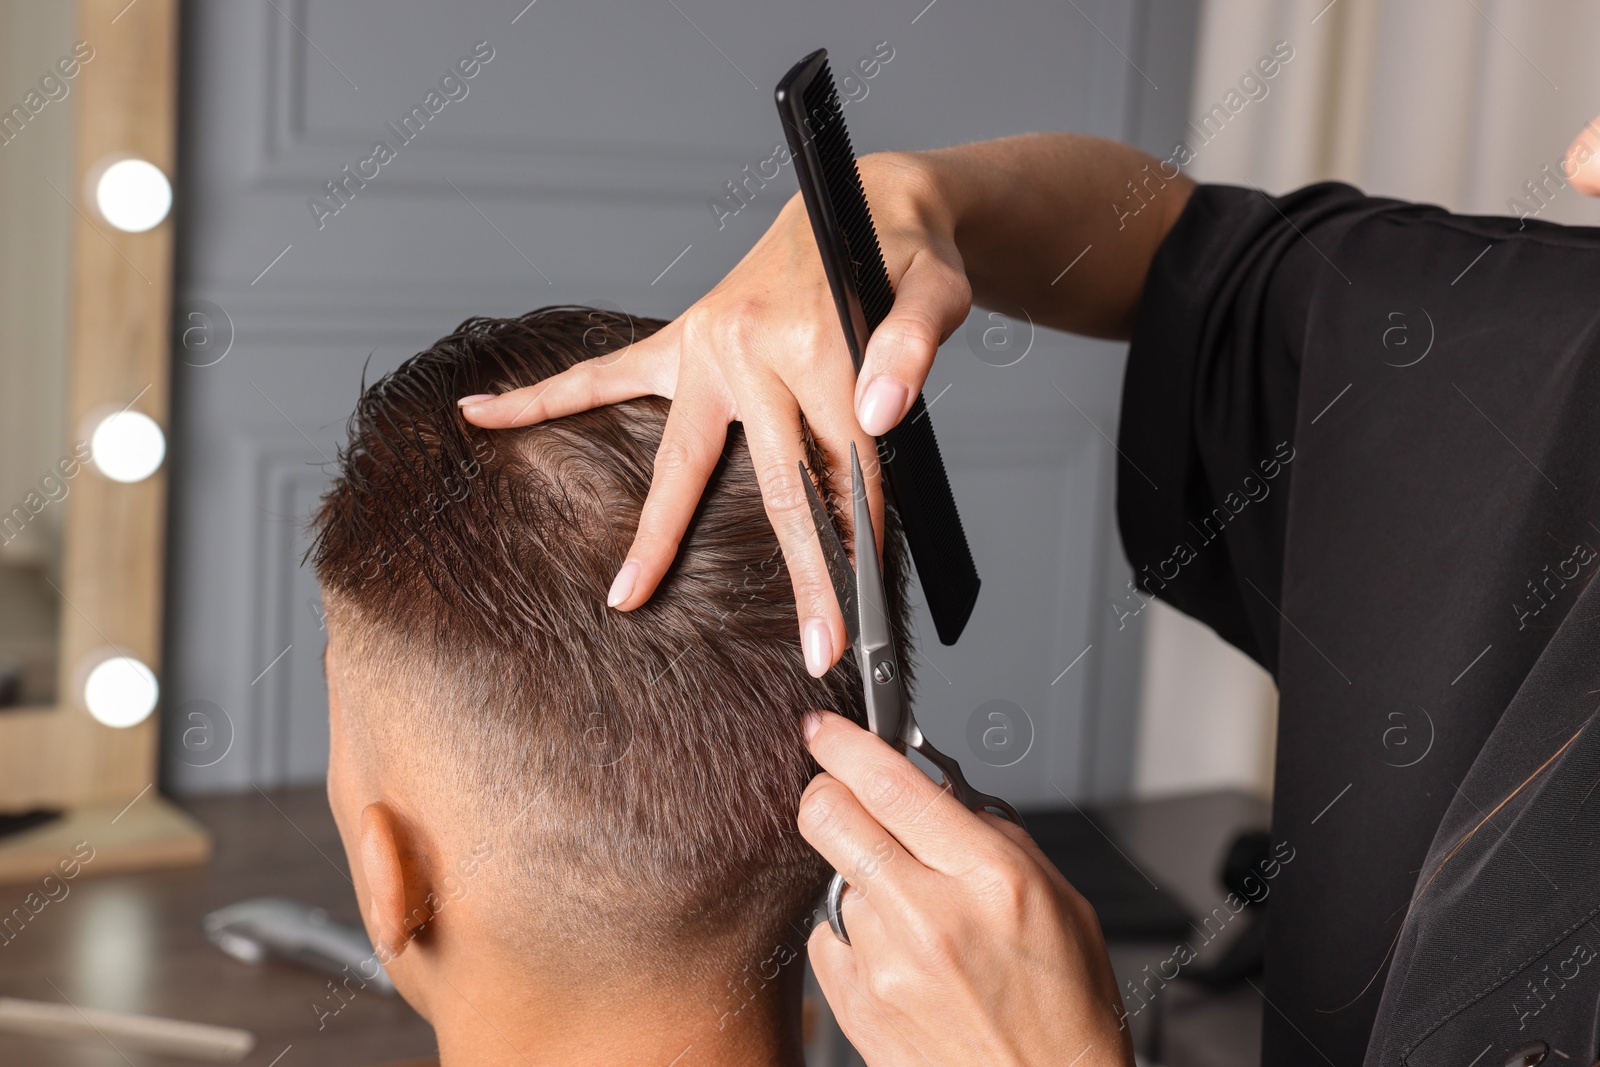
187, 340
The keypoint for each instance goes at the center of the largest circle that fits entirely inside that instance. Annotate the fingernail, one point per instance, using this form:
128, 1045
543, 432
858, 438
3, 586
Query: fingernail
883, 404
475, 398
818, 645
622, 585
810, 723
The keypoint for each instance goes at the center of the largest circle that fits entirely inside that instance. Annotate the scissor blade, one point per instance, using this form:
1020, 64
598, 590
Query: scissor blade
872, 605
844, 579
881, 671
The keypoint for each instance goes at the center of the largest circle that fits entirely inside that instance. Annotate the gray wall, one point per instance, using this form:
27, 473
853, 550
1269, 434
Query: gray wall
578, 167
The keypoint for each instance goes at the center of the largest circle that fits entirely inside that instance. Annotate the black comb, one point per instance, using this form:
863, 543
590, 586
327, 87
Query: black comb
813, 121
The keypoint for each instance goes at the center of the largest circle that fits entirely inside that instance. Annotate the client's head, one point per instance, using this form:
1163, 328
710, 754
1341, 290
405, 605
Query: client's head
530, 783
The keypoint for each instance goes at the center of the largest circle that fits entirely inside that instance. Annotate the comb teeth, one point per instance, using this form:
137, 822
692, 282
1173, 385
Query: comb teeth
842, 180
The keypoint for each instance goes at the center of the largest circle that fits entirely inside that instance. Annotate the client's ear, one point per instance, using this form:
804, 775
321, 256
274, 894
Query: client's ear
398, 907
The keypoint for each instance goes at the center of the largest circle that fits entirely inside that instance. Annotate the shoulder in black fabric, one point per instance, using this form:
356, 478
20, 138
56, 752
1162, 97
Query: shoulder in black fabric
1440, 531
1439, 526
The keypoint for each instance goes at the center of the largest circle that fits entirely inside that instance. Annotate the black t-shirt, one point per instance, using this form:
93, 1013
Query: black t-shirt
1361, 440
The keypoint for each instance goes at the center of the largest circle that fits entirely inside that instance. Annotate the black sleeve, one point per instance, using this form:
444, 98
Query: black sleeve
1209, 405
1445, 512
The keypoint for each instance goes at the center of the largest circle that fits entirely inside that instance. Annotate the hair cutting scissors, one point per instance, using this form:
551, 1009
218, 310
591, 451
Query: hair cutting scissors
865, 606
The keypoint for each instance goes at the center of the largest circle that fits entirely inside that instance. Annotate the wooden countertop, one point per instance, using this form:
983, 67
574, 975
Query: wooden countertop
133, 943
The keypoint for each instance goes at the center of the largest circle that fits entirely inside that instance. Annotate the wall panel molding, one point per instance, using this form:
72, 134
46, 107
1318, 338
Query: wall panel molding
578, 170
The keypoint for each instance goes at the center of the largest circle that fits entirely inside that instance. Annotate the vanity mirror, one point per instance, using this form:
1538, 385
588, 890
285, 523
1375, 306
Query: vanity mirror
86, 158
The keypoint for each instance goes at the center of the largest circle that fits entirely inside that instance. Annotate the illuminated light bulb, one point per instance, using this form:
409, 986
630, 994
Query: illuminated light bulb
133, 195
120, 691
127, 446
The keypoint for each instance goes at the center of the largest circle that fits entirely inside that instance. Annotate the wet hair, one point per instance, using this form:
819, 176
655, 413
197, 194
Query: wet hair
657, 753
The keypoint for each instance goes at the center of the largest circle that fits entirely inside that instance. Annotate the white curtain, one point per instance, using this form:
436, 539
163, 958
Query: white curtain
1455, 102
1466, 103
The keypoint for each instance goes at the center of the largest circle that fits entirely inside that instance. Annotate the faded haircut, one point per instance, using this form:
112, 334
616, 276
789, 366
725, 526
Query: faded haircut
657, 754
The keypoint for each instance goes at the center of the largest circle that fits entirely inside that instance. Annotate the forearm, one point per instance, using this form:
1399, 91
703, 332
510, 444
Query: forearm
1061, 224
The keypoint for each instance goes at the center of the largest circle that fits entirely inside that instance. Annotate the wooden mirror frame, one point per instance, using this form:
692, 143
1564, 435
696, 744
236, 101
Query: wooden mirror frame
115, 534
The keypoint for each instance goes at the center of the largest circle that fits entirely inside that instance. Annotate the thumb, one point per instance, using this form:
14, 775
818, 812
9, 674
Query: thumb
931, 301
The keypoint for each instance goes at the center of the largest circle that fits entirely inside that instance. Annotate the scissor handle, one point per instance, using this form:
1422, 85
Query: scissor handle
833, 904
956, 782
971, 798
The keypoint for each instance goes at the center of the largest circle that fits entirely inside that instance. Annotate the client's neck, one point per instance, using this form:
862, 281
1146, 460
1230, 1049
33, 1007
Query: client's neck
487, 1020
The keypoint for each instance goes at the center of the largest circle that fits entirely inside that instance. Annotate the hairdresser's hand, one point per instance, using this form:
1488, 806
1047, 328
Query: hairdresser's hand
764, 348
1582, 164
967, 945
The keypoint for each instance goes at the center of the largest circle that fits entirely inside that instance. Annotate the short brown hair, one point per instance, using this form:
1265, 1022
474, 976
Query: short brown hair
662, 745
